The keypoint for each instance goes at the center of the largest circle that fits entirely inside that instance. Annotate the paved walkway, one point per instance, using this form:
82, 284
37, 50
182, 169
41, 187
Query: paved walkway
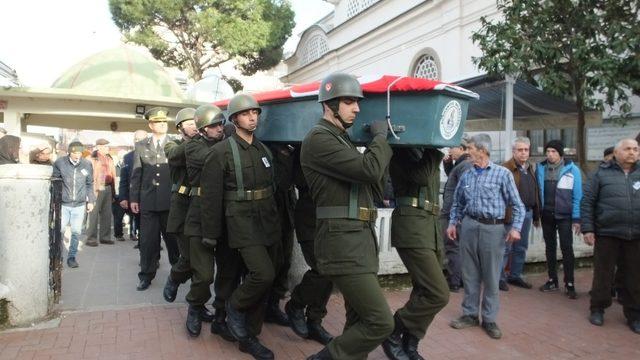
103, 317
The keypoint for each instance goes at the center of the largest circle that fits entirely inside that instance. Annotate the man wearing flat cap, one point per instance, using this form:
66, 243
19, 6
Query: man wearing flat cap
104, 175
150, 195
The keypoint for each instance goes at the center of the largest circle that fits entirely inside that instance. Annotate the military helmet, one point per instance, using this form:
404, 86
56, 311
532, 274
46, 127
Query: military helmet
339, 85
242, 102
184, 115
207, 115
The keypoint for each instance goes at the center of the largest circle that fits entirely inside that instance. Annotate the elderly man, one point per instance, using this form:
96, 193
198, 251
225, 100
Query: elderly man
480, 203
610, 211
104, 177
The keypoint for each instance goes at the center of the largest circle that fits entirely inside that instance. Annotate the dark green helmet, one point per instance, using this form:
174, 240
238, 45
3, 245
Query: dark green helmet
240, 103
207, 115
184, 115
339, 85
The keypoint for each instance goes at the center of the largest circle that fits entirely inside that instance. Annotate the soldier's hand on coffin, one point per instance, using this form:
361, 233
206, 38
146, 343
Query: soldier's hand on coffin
210, 243
379, 127
229, 129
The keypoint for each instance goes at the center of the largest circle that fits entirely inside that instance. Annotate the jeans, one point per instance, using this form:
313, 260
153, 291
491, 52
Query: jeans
517, 251
73, 216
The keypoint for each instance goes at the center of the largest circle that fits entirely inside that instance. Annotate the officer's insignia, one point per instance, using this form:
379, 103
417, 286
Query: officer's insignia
327, 86
161, 114
450, 120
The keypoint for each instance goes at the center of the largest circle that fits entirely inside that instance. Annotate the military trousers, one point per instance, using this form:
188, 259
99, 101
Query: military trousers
101, 215
368, 318
181, 270
430, 292
202, 259
250, 297
153, 225
229, 270
314, 290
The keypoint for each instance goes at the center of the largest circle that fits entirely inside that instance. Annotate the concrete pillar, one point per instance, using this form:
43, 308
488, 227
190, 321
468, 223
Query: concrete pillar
509, 81
24, 240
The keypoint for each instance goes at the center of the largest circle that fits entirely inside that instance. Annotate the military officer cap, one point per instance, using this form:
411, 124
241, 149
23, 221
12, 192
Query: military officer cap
207, 115
102, 142
76, 146
339, 85
242, 102
184, 115
157, 114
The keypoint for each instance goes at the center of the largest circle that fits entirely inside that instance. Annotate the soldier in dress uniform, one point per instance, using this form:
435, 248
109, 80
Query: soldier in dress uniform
175, 152
415, 175
343, 183
150, 195
238, 195
209, 121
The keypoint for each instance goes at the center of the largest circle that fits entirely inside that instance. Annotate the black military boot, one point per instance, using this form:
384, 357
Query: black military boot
219, 326
297, 320
236, 322
206, 315
410, 346
170, 290
274, 314
392, 346
318, 333
324, 354
252, 346
194, 324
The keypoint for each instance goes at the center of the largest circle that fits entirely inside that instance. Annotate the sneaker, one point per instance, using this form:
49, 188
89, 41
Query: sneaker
464, 322
519, 282
120, 238
72, 263
596, 318
454, 288
502, 285
570, 291
91, 242
550, 285
634, 325
107, 242
492, 330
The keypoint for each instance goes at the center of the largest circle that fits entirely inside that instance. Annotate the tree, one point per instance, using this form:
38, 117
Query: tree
587, 50
196, 35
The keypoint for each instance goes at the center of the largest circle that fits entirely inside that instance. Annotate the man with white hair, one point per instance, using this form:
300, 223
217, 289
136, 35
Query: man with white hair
480, 202
610, 211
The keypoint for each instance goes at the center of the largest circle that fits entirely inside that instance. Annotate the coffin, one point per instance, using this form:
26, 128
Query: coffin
422, 112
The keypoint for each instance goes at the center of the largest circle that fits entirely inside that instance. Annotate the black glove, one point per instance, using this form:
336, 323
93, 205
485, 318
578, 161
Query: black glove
379, 127
228, 130
210, 243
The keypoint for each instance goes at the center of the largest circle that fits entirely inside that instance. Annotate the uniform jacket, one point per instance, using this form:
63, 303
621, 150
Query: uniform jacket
285, 195
251, 222
331, 164
568, 192
196, 152
611, 202
462, 165
77, 181
125, 176
174, 150
410, 170
150, 180
305, 210
511, 166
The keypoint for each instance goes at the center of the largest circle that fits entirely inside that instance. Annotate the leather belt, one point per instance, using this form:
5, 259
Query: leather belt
180, 189
414, 202
249, 194
195, 191
486, 220
342, 212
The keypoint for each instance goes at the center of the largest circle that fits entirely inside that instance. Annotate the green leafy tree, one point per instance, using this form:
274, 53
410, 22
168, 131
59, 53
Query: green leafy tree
586, 50
196, 35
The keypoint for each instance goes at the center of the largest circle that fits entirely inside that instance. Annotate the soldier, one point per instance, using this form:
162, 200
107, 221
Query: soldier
209, 121
314, 290
239, 197
415, 175
175, 152
150, 194
342, 182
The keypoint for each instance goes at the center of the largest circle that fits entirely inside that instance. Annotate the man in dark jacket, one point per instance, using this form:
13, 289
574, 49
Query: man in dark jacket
77, 194
610, 211
9, 150
123, 189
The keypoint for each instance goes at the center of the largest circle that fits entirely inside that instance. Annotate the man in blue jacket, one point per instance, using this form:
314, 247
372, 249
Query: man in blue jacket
560, 184
77, 194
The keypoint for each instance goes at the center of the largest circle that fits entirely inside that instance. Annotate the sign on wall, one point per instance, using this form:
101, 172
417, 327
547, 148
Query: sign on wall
601, 138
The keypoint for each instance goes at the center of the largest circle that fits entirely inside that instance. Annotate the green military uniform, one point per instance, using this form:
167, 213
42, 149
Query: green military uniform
342, 182
238, 198
175, 153
415, 176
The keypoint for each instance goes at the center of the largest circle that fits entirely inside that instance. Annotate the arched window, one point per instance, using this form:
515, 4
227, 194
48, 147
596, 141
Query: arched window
427, 66
356, 6
314, 48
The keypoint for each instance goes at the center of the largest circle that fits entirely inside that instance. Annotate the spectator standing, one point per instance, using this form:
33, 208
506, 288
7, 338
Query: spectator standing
117, 210
77, 194
41, 155
104, 177
457, 154
560, 184
523, 173
479, 202
607, 154
125, 181
610, 211
9, 149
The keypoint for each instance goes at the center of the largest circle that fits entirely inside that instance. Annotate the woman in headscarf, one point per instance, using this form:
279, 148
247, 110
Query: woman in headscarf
9, 149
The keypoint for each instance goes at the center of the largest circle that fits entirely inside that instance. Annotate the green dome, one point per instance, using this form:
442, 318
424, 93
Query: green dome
120, 72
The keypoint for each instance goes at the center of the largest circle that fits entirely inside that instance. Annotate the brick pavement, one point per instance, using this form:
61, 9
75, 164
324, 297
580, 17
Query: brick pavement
535, 326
